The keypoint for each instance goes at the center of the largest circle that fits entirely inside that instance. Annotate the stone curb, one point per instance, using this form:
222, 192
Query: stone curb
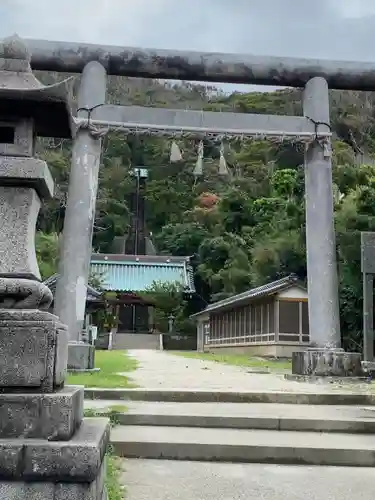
269, 454
313, 379
352, 426
83, 370
201, 396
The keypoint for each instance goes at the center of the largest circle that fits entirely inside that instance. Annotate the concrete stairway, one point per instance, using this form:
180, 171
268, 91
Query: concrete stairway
127, 341
274, 417
252, 433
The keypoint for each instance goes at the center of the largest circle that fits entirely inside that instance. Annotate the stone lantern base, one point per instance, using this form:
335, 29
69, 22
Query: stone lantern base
316, 362
81, 357
47, 449
52, 491
56, 470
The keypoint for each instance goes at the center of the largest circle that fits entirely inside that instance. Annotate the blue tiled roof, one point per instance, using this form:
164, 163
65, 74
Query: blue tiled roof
136, 274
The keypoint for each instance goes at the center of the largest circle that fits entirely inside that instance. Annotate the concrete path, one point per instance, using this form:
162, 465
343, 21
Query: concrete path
162, 370
168, 480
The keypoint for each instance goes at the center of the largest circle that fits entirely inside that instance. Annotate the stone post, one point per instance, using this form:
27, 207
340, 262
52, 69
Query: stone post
71, 288
47, 450
320, 234
368, 272
325, 357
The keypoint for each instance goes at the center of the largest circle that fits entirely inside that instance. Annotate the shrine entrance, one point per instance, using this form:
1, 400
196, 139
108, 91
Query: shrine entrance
95, 119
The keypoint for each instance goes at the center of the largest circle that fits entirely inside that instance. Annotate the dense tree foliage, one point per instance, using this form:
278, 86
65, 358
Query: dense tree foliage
171, 307
242, 229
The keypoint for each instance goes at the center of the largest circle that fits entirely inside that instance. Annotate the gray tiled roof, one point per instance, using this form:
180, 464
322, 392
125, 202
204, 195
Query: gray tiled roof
255, 293
93, 295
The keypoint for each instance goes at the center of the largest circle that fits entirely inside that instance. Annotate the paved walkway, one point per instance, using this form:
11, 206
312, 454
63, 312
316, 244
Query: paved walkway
161, 480
162, 370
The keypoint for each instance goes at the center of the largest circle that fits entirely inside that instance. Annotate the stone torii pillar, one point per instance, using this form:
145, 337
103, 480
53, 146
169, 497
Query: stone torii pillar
74, 268
47, 450
325, 357
324, 318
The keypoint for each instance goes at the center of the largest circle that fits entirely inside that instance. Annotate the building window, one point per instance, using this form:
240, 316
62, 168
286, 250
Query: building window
265, 321
258, 320
305, 318
206, 332
252, 321
272, 317
288, 338
293, 321
289, 318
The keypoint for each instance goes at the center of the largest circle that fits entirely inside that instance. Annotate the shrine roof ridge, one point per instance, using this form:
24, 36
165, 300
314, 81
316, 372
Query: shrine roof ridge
255, 293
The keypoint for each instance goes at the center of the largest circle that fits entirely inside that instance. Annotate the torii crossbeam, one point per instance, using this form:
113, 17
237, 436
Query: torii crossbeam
199, 66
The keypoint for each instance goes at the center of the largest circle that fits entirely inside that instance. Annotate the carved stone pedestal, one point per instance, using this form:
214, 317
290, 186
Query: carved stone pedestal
327, 363
33, 350
369, 368
81, 357
47, 450
11, 490
45, 470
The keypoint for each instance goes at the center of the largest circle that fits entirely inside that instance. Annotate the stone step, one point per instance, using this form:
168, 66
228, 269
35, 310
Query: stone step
349, 419
126, 341
356, 395
240, 445
171, 480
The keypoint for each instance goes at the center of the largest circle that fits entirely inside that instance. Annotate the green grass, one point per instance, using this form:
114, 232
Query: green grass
115, 490
111, 363
239, 360
111, 412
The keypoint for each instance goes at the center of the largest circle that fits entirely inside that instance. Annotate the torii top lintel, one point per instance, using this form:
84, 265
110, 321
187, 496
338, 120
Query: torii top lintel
212, 67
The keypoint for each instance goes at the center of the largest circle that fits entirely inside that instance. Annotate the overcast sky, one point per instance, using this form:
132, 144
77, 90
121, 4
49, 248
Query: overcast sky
334, 29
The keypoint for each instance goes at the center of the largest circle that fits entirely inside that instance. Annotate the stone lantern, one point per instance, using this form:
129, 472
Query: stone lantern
47, 449
27, 110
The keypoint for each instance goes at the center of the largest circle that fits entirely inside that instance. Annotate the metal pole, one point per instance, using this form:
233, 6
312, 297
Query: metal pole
74, 269
320, 234
200, 66
368, 317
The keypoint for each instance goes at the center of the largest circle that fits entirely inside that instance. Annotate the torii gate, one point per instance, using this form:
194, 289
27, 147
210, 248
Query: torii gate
94, 117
